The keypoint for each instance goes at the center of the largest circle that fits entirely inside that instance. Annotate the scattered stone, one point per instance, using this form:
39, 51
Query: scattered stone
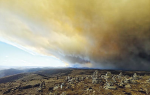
89, 89
77, 82
128, 86
63, 93
95, 78
56, 87
146, 90
110, 86
108, 75
111, 81
40, 89
135, 77
126, 80
133, 81
50, 93
61, 86
82, 78
77, 79
72, 81
120, 75
148, 80
121, 84
114, 79
87, 77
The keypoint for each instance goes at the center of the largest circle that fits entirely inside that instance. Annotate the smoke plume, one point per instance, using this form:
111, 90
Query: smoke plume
106, 33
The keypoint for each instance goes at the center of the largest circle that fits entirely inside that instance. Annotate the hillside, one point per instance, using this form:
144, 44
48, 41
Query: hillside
77, 82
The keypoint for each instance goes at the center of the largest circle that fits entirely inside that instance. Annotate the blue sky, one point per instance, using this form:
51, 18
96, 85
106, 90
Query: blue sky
13, 56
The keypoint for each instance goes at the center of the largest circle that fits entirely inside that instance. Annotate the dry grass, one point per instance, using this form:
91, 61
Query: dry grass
78, 88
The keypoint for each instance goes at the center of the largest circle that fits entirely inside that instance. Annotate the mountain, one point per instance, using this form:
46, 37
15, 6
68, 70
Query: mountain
76, 81
13, 71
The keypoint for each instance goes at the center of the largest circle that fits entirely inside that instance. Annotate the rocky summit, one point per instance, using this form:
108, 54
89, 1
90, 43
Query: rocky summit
77, 82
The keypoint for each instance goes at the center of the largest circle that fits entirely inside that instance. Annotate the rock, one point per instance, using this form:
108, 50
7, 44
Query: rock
87, 77
133, 81
40, 89
121, 84
110, 86
95, 78
146, 90
50, 93
61, 86
135, 77
56, 87
108, 75
148, 80
95, 74
63, 93
113, 78
111, 81
127, 80
77, 79
72, 81
128, 86
89, 89
120, 74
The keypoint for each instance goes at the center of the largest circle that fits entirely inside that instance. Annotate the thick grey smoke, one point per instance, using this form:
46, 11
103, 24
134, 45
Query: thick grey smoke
106, 33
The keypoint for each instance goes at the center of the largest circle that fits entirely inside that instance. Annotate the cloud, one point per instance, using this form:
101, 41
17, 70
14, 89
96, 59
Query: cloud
106, 33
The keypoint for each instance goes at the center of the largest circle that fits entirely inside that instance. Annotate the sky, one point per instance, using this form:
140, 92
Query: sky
113, 34
13, 56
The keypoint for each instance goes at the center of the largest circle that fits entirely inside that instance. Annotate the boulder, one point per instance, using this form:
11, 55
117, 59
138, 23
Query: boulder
128, 86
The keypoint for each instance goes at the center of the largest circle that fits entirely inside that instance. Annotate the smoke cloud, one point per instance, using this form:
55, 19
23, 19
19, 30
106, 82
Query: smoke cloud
106, 33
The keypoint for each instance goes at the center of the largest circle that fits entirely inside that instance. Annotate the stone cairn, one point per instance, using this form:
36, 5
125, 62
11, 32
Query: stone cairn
120, 75
107, 81
108, 77
110, 80
135, 77
109, 85
95, 78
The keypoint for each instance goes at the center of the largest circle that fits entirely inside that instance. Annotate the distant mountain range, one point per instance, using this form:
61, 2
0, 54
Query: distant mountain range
8, 71
12, 71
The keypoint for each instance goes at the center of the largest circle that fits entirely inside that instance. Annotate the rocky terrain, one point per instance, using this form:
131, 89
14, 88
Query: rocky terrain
77, 82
